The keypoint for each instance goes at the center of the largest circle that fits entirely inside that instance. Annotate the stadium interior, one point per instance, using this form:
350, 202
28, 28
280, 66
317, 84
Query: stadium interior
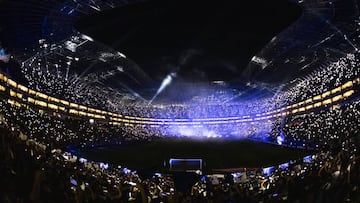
179, 101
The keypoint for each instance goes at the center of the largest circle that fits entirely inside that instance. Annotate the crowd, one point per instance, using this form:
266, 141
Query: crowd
35, 165
60, 130
322, 80
35, 172
54, 78
36, 169
328, 177
33, 143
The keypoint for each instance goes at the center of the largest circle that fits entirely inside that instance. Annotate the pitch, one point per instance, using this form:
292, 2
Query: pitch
216, 154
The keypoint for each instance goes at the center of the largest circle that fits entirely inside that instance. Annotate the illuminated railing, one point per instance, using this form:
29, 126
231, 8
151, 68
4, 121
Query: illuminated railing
330, 97
20, 92
45, 101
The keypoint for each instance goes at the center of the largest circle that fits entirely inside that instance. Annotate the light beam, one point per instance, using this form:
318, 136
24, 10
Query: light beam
166, 82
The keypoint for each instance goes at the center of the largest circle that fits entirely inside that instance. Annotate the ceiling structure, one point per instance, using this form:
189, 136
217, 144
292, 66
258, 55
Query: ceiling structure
200, 40
246, 49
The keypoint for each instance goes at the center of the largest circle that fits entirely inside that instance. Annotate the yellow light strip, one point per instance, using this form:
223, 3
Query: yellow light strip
139, 120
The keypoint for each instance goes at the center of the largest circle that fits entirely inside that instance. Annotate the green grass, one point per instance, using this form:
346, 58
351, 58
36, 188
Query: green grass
217, 154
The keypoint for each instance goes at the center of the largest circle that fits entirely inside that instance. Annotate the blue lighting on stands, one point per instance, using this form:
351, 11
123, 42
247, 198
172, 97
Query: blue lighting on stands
269, 170
280, 138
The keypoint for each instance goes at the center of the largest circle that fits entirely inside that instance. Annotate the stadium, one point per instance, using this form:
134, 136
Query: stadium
179, 101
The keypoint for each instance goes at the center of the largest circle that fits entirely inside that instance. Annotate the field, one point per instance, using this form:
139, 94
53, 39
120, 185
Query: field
217, 154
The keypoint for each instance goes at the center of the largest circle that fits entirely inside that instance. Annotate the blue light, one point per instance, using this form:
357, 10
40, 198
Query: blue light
269, 170
308, 159
193, 131
71, 11
284, 166
63, 8
82, 160
104, 166
280, 138
126, 171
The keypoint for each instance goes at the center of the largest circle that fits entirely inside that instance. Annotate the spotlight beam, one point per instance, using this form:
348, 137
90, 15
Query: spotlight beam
166, 82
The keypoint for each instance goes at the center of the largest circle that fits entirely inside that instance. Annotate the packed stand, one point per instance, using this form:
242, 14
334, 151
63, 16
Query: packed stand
58, 79
34, 172
46, 174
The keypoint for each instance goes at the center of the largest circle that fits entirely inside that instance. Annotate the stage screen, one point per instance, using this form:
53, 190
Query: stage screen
185, 164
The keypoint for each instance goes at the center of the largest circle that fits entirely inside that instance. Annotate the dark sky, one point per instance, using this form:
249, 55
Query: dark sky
200, 40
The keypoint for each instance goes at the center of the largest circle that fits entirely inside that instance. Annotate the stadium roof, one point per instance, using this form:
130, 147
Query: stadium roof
200, 40
248, 47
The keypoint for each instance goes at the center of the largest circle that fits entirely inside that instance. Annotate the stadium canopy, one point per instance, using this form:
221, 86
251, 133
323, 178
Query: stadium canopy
249, 48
